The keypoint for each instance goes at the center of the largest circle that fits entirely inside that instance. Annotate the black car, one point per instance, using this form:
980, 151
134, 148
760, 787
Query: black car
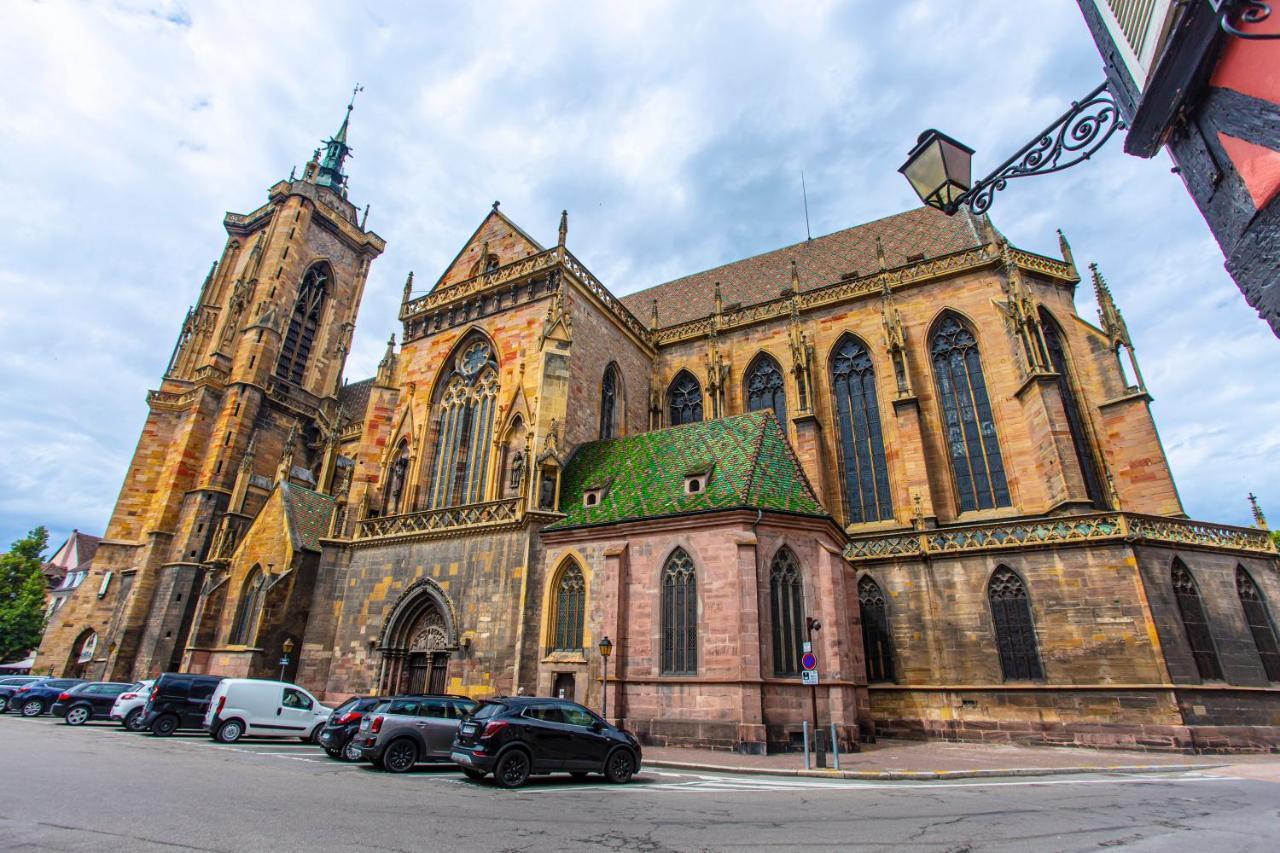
89, 701
343, 724
10, 684
178, 701
516, 737
34, 699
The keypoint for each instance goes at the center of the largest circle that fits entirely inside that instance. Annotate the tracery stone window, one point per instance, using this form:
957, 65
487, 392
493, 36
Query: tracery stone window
786, 596
464, 427
244, 629
865, 474
766, 388
1015, 630
609, 401
304, 322
1260, 624
396, 473
1071, 406
570, 597
976, 466
679, 615
1195, 622
684, 400
876, 643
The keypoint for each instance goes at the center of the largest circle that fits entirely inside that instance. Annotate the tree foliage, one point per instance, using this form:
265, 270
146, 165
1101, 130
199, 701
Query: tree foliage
22, 591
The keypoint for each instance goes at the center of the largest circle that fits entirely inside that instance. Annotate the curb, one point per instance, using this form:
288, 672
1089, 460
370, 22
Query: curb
931, 775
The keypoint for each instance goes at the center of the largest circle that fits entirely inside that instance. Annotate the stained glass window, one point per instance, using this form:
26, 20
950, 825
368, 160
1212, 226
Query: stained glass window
609, 401
679, 615
1015, 631
684, 400
464, 428
300, 337
976, 466
1195, 622
1260, 624
251, 593
570, 595
876, 645
864, 472
1071, 406
766, 388
786, 594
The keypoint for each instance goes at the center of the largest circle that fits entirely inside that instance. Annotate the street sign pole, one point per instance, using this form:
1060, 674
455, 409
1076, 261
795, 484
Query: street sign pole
812, 625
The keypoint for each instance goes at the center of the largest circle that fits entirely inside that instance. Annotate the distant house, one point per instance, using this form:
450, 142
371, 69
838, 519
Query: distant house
68, 567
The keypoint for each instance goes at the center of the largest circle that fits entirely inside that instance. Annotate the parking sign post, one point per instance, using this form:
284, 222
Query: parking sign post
810, 677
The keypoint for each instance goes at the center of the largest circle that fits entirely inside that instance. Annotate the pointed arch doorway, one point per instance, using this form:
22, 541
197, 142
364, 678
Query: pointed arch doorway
418, 642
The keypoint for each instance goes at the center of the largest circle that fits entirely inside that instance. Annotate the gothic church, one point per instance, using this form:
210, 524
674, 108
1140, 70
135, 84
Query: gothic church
898, 442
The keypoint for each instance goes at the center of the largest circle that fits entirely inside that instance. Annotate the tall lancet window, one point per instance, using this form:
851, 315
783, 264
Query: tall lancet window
765, 387
876, 643
304, 323
609, 387
1195, 622
786, 599
679, 615
570, 592
1015, 630
684, 400
976, 467
1071, 405
464, 426
245, 628
1260, 625
865, 474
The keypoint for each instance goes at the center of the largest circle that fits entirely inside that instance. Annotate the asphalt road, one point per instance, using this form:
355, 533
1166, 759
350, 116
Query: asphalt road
101, 788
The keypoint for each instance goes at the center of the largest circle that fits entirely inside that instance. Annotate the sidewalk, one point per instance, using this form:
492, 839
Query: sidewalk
924, 760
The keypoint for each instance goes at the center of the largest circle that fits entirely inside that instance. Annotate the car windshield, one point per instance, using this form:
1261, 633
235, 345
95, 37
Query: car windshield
487, 710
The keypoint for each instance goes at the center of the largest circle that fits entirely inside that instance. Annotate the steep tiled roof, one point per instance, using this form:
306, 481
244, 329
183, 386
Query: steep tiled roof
643, 476
353, 400
823, 260
308, 513
74, 556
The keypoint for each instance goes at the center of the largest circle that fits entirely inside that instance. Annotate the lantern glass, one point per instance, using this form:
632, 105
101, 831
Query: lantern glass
288, 646
606, 647
939, 169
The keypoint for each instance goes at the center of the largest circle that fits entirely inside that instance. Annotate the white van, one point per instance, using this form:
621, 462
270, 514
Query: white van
258, 708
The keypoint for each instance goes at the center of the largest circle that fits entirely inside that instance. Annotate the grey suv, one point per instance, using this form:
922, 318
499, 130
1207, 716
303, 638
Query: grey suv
405, 730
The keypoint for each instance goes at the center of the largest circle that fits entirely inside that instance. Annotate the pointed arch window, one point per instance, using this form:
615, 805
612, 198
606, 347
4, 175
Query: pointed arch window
786, 596
1196, 623
1260, 624
396, 475
464, 426
876, 644
865, 474
1015, 630
304, 322
1071, 406
976, 466
570, 592
609, 386
766, 388
252, 592
684, 400
679, 615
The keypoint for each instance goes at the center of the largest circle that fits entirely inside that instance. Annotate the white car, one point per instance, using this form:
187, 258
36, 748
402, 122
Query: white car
129, 707
254, 707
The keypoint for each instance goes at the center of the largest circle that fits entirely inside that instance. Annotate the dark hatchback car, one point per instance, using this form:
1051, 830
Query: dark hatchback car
338, 733
516, 737
36, 698
89, 701
10, 684
178, 701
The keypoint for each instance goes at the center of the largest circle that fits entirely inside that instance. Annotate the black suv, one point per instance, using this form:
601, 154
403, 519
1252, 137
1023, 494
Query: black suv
178, 701
337, 736
515, 737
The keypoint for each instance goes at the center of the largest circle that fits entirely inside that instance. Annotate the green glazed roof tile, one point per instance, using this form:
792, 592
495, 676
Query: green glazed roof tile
308, 513
750, 465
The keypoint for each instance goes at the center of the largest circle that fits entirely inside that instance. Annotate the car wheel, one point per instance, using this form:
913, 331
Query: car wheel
513, 769
76, 716
133, 720
351, 752
472, 773
165, 725
400, 756
230, 731
619, 767
32, 708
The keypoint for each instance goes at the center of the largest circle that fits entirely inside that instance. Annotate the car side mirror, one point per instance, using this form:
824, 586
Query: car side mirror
597, 727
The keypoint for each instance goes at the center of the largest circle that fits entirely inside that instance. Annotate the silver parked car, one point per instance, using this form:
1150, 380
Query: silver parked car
405, 730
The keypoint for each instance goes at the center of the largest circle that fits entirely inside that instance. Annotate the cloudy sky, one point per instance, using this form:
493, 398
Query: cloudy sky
673, 132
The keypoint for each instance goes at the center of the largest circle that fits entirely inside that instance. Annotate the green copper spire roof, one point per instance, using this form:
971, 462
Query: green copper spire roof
746, 461
336, 151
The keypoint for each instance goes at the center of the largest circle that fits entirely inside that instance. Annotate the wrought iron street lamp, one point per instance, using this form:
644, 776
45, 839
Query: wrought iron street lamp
284, 661
939, 168
606, 649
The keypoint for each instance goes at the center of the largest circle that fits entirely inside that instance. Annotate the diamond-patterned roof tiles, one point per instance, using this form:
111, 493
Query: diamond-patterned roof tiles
308, 513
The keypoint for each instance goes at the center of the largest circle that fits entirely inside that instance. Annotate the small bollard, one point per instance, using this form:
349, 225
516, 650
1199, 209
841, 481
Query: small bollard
835, 748
806, 745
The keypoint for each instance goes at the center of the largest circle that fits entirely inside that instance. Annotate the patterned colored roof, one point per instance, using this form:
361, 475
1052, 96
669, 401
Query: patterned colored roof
308, 513
906, 237
353, 400
750, 463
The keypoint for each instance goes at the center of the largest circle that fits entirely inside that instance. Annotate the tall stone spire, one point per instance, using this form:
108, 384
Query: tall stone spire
564, 227
1259, 520
1109, 316
336, 151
